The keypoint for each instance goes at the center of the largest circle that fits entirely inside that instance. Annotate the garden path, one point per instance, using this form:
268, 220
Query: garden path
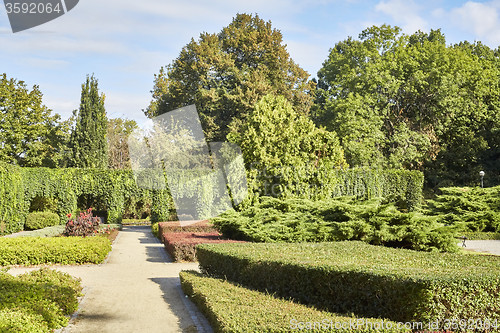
487, 246
137, 289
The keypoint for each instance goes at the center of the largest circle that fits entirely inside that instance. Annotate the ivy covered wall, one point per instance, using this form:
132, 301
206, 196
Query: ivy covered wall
114, 191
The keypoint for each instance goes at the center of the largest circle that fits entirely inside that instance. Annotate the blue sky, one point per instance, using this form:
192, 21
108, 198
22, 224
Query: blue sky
125, 42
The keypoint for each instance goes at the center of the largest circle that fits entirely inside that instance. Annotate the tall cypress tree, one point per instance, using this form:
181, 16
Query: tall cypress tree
88, 140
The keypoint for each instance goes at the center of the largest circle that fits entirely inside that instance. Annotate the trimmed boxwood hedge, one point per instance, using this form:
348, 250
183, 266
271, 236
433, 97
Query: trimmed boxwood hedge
53, 250
370, 281
233, 308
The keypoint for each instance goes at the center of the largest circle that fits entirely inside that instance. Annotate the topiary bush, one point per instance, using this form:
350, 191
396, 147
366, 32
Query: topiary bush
40, 220
233, 308
182, 245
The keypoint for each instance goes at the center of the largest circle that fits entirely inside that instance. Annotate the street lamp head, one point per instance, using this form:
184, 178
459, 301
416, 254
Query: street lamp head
481, 173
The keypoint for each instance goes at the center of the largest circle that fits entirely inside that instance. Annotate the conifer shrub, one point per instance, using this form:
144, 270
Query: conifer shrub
372, 221
467, 208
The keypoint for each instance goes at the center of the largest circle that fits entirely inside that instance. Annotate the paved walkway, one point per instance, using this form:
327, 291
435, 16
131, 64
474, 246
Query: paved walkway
136, 290
486, 246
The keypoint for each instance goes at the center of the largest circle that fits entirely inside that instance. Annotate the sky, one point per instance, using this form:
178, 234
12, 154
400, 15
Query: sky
125, 42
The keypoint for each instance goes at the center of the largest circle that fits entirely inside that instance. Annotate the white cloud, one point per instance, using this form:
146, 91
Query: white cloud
481, 18
404, 13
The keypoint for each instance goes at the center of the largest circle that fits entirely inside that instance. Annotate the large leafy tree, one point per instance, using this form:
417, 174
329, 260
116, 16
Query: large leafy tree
225, 74
88, 139
285, 153
118, 132
29, 134
411, 101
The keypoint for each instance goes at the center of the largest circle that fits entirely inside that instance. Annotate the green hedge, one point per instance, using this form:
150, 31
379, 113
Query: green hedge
40, 220
37, 302
232, 308
367, 280
402, 186
113, 191
53, 250
12, 207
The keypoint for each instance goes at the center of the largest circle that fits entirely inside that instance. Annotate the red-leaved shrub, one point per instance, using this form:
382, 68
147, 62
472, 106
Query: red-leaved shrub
182, 245
84, 224
176, 226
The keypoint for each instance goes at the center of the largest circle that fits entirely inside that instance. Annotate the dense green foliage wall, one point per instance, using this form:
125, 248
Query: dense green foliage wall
115, 192
105, 190
11, 199
401, 186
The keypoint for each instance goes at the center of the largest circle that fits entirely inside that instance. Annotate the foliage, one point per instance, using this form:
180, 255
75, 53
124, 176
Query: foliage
175, 226
233, 308
53, 250
155, 229
38, 301
411, 101
84, 225
182, 245
470, 209
471, 235
285, 153
401, 186
367, 280
11, 199
118, 131
88, 139
114, 192
225, 74
29, 134
299, 220
40, 220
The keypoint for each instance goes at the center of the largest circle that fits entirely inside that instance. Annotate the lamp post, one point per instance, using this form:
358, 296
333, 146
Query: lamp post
481, 174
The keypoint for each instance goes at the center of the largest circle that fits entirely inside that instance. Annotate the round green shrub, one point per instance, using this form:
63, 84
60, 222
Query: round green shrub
40, 220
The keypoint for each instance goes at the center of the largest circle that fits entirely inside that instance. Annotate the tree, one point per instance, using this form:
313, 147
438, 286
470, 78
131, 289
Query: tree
410, 101
117, 135
285, 153
29, 134
88, 139
225, 74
